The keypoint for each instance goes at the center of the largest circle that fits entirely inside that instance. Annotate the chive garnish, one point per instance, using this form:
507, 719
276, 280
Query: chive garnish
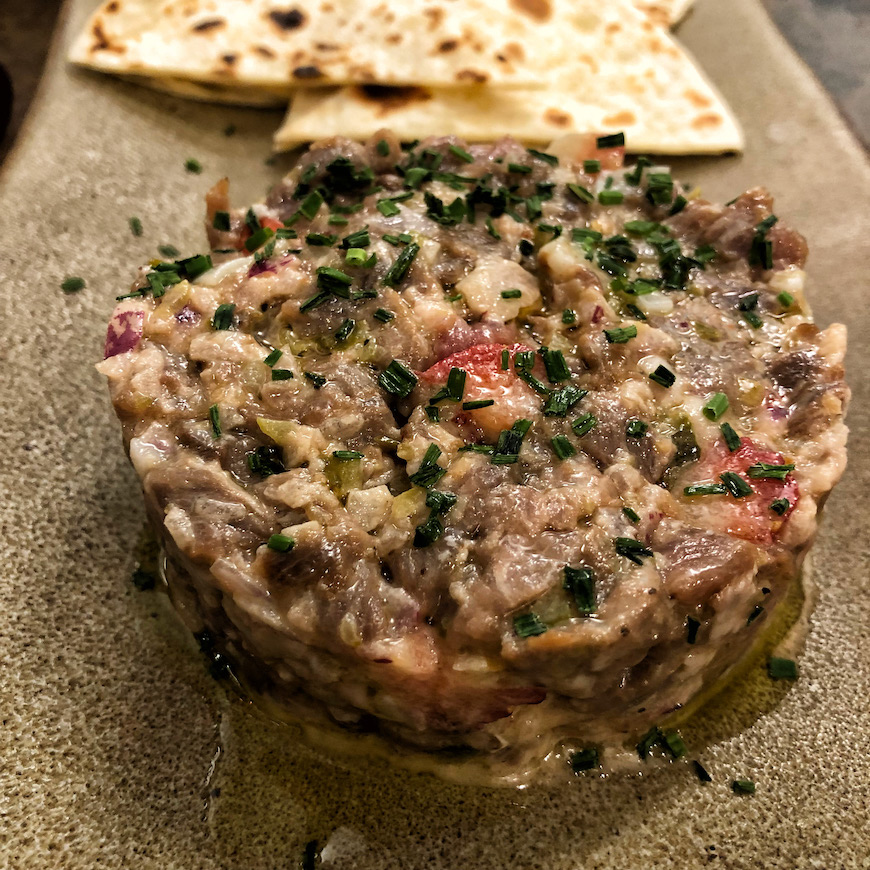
322, 240
701, 772
193, 165
631, 549
280, 543
72, 284
780, 506
579, 583
382, 147
651, 738
344, 331
766, 471
613, 140
583, 425
311, 204
519, 168
358, 239
347, 455
782, 669
455, 384
511, 294
692, 626
387, 207
221, 221
317, 381
383, 315
674, 743
756, 612
397, 380
735, 484
400, 267
611, 197
491, 229
556, 366
620, 335
569, 316
591, 166
562, 447
528, 625
706, 489
282, 375
461, 153
223, 316
357, 257
477, 403
581, 193
552, 159
636, 174
334, 281
337, 220
679, 204
440, 502
584, 759
429, 531
507, 448
660, 188
214, 416
193, 267
743, 786
429, 472
716, 406
663, 376
135, 226
785, 299
273, 357
526, 247
168, 251
732, 439
636, 429
265, 460
559, 402
505, 359
631, 514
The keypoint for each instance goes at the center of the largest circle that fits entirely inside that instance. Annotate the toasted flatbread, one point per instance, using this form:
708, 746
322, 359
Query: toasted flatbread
214, 92
280, 42
627, 75
668, 13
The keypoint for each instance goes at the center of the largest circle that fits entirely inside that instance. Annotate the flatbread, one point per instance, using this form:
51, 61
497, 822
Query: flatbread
214, 92
282, 42
668, 13
627, 75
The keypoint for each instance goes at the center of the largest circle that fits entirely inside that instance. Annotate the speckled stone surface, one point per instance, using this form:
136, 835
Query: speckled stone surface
115, 749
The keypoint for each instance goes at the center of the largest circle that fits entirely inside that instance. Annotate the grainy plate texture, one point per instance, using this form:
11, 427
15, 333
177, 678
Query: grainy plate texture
115, 750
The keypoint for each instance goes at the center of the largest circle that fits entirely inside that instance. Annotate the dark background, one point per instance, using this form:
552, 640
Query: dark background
832, 36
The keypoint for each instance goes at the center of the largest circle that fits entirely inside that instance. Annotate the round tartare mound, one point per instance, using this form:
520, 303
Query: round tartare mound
478, 446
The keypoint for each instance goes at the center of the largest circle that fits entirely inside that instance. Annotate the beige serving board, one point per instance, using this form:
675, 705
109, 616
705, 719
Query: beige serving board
116, 751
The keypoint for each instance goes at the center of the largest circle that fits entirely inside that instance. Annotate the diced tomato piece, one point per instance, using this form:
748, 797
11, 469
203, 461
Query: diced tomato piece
578, 147
751, 516
611, 158
271, 223
485, 378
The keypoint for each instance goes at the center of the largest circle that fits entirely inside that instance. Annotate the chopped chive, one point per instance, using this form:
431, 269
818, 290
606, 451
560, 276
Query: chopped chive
223, 316
322, 240
660, 188
358, 239
569, 316
674, 743
562, 447
701, 772
382, 147
193, 165
491, 229
584, 759
433, 413
505, 359
397, 380
559, 402
782, 669
337, 220
680, 202
528, 625
620, 335
214, 416
477, 403
766, 471
280, 543
526, 247
642, 228
344, 331
735, 484
583, 425
636, 174
383, 315
556, 366
780, 506
314, 301
631, 549
507, 448
648, 741
221, 221
135, 226
591, 166
752, 319
716, 406
317, 381
581, 193
511, 294
612, 140
706, 489
347, 455
579, 583
785, 299
611, 197
523, 363
335, 281
259, 238
743, 786
429, 531
72, 284
397, 272
311, 204
356, 257
732, 439
273, 357
636, 429
552, 159
387, 207
692, 626
461, 153
168, 251
631, 514
663, 376
266, 460
282, 375
440, 502
456, 384
519, 168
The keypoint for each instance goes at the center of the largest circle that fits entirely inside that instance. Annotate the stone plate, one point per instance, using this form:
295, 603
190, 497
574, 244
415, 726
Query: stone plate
117, 751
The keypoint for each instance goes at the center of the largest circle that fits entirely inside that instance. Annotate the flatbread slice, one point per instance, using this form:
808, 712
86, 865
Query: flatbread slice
214, 92
668, 13
627, 76
282, 42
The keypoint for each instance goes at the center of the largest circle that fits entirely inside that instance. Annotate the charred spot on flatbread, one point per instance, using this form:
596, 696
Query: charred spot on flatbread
307, 72
472, 76
621, 119
557, 118
112, 7
389, 99
210, 24
229, 59
540, 10
287, 19
708, 119
448, 45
